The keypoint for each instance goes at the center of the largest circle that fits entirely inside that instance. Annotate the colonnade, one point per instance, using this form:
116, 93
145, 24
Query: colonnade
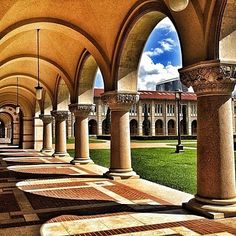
216, 192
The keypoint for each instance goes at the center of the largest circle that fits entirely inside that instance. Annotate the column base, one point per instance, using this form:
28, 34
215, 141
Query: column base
212, 208
46, 150
117, 174
60, 154
81, 161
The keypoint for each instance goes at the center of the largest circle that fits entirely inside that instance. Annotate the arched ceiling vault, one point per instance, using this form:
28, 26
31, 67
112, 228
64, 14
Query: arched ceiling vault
30, 77
9, 98
103, 28
5, 117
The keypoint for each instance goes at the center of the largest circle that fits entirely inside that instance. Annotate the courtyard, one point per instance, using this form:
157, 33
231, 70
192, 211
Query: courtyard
43, 195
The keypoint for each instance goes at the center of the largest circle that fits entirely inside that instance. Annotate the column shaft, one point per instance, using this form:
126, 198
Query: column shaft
120, 159
60, 132
216, 192
47, 136
216, 177
81, 112
120, 142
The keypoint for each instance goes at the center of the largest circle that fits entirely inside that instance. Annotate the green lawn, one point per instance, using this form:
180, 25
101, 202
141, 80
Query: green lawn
160, 165
162, 141
91, 140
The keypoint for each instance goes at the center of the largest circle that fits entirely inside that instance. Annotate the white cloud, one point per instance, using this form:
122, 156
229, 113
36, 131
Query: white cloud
166, 24
150, 73
154, 52
167, 44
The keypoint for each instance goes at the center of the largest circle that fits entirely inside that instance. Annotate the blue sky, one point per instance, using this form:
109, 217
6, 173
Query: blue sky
161, 57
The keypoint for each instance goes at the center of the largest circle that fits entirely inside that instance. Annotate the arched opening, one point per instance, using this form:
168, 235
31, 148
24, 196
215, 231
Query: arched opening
105, 127
2, 130
159, 128
183, 127
133, 127
92, 127
171, 127
146, 127
194, 127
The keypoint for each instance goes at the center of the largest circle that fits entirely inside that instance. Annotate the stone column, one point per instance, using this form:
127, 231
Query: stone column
81, 112
28, 133
140, 120
189, 120
216, 192
16, 132
47, 133
69, 130
99, 117
60, 132
164, 111
120, 159
153, 130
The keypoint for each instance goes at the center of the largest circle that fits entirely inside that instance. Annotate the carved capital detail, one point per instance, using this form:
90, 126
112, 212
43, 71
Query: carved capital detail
120, 100
60, 115
207, 77
81, 110
47, 119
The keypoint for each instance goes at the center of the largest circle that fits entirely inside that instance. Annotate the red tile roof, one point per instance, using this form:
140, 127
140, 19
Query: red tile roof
156, 95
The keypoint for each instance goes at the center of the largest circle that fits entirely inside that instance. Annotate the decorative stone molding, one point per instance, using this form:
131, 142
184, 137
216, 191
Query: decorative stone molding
60, 115
208, 77
81, 110
120, 101
47, 119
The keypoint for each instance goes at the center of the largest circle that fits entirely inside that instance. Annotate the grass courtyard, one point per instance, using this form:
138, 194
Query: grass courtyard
160, 165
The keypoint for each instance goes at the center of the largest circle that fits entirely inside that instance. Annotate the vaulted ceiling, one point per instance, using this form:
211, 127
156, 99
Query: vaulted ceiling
100, 27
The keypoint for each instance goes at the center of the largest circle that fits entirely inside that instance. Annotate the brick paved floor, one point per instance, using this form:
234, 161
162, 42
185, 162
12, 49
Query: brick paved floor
42, 195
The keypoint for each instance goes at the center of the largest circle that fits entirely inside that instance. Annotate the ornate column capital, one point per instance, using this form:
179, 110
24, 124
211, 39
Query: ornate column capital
60, 115
47, 119
120, 101
81, 110
208, 77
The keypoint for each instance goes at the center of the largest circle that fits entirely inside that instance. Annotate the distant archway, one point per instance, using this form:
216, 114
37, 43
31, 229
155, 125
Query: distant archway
92, 127
183, 127
2, 129
194, 127
133, 127
146, 127
159, 127
171, 127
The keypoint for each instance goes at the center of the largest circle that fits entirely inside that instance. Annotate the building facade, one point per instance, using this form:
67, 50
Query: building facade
154, 114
